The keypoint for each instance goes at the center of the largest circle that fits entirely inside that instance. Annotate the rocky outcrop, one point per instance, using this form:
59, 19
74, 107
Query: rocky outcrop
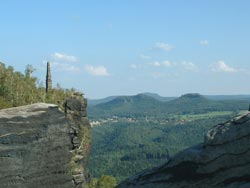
41, 147
223, 160
75, 110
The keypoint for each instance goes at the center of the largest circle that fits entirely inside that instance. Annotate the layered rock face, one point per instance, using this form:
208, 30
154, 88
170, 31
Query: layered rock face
41, 147
223, 160
75, 110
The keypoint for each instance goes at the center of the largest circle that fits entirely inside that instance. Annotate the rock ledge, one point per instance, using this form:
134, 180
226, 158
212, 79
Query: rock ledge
42, 147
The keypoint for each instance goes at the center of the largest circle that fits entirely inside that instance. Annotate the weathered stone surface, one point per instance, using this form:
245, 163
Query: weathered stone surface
37, 149
75, 109
223, 160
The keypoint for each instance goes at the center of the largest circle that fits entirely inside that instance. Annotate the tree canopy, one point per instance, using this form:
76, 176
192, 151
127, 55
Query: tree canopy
17, 89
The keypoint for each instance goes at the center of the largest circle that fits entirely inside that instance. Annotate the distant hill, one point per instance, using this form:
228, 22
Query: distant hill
142, 105
93, 102
158, 97
126, 106
228, 97
192, 103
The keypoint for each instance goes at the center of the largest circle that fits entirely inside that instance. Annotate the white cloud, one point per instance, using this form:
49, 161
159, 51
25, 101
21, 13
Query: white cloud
64, 67
184, 65
142, 56
167, 63
204, 42
97, 70
189, 66
161, 64
133, 66
163, 46
155, 64
221, 66
64, 57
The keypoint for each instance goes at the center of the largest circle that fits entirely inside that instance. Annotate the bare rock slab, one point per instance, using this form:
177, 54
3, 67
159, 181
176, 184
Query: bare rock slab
36, 149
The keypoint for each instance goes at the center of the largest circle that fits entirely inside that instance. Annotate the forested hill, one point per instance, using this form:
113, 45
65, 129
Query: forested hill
18, 89
93, 102
195, 103
126, 106
144, 105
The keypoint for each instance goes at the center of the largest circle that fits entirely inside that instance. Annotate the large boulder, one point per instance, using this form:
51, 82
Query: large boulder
223, 160
41, 147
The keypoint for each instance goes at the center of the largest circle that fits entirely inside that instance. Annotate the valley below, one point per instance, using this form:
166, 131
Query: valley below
134, 133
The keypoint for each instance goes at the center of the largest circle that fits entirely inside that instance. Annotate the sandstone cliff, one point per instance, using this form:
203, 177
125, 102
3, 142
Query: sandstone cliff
41, 147
223, 160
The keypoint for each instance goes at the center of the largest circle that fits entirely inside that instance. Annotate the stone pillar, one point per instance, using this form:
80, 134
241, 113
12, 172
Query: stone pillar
48, 78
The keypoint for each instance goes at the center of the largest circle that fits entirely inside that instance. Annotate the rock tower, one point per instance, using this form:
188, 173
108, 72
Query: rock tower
48, 78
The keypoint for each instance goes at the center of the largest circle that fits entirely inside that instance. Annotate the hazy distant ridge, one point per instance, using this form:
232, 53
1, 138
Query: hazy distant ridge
92, 102
155, 105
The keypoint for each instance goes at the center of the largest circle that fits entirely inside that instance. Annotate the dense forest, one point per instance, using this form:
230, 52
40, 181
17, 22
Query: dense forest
122, 149
133, 133
17, 89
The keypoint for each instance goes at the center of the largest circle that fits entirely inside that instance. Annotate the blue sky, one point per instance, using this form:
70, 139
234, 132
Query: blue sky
104, 48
